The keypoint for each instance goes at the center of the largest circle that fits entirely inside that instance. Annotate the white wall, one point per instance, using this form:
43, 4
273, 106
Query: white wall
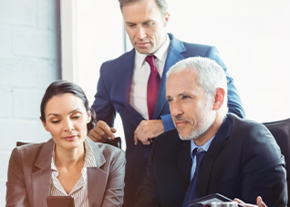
253, 39
96, 33
29, 62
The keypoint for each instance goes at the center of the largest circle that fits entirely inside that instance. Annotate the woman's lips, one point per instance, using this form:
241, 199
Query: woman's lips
70, 138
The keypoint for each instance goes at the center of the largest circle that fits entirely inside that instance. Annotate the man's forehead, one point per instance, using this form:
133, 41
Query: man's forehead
181, 82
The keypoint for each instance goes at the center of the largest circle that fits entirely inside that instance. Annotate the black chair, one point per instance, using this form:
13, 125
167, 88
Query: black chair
115, 142
281, 132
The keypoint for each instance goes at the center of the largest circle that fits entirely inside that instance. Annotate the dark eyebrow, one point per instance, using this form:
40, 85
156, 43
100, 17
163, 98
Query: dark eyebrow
73, 111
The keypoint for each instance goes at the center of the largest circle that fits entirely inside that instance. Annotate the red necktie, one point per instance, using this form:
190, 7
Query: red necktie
152, 86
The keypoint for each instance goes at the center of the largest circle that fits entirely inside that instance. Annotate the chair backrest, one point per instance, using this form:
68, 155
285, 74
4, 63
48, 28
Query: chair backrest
281, 132
115, 142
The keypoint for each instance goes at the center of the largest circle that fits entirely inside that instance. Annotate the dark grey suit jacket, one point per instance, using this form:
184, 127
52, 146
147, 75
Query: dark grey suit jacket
243, 161
29, 175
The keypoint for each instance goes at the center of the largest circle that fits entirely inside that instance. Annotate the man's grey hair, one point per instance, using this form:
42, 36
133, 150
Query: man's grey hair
210, 75
161, 4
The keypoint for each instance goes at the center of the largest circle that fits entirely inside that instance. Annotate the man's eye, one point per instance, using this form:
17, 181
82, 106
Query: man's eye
131, 25
148, 24
185, 97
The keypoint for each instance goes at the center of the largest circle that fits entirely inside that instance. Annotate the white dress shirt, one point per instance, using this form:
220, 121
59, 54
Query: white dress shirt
141, 73
80, 190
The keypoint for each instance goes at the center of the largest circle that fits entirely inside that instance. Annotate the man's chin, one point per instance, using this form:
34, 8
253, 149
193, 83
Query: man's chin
144, 51
185, 137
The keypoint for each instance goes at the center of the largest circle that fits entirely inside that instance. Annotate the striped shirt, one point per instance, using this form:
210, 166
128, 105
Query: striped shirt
80, 190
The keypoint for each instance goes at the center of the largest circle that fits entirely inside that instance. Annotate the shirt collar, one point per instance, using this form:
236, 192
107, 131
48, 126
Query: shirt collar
204, 147
160, 54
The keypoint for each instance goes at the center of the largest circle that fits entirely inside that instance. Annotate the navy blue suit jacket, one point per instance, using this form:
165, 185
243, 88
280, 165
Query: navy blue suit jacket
243, 161
113, 96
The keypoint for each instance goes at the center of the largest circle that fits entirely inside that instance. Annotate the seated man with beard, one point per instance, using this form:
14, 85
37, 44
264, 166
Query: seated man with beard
210, 151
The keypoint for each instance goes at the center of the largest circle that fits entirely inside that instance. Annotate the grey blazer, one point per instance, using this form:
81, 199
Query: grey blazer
29, 175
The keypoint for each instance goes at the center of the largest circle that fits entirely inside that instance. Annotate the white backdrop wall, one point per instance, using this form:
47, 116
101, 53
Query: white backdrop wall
252, 37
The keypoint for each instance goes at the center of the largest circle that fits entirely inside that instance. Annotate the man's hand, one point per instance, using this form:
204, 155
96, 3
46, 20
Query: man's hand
147, 130
102, 132
260, 203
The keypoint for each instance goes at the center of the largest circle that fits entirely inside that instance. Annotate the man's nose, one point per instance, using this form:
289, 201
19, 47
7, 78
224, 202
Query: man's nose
141, 32
175, 109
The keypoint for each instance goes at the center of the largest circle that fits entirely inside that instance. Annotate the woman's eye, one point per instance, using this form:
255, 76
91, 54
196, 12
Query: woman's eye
55, 122
76, 117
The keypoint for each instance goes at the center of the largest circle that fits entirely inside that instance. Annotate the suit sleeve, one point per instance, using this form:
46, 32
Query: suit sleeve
264, 171
147, 195
234, 100
16, 193
102, 105
115, 187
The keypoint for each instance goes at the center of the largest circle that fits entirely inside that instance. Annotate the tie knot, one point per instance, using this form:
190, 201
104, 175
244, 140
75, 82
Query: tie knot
151, 60
199, 154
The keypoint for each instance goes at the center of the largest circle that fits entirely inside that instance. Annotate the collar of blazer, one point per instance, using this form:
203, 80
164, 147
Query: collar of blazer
217, 144
41, 175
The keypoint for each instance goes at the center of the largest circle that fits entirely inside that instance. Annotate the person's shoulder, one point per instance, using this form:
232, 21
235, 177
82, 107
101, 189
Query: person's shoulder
29, 152
250, 130
191, 45
244, 123
122, 58
29, 148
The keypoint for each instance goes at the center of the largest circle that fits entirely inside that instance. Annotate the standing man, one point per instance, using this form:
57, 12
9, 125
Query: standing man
134, 86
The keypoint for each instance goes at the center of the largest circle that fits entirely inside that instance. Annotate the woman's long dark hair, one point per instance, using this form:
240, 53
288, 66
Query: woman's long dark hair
61, 87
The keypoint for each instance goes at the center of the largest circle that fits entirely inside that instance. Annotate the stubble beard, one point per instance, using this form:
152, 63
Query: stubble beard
203, 124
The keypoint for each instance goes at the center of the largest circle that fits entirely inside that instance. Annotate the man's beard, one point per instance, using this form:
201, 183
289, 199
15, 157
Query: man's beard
205, 120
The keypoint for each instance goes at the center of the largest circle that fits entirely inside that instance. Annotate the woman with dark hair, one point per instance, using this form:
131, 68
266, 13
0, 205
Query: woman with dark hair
69, 164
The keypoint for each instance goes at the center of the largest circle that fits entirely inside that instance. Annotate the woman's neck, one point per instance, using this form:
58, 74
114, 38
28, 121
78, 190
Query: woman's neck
69, 158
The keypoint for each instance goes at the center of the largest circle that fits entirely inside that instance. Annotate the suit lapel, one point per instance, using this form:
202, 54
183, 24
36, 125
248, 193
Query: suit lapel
215, 148
125, 79
41, 175
183, 167
175, 49
97, 178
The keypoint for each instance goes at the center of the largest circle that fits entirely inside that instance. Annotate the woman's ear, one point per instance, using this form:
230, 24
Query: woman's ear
45, 126
219, 98
89, 117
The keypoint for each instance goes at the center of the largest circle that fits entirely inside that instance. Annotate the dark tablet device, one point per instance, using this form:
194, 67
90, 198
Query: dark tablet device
60, 201
216, 197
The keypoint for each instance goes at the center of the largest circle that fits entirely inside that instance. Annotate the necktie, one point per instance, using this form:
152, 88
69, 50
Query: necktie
152, 86
191, 192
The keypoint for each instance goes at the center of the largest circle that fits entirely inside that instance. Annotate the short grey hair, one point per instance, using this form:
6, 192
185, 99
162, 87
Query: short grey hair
210, 75
161, 4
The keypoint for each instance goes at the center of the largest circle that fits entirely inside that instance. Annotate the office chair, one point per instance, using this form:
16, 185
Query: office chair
281, 132
115, 142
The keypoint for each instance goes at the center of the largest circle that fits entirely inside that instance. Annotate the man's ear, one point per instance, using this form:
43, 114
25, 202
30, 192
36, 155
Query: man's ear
166, 19
219, 98
44, 125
